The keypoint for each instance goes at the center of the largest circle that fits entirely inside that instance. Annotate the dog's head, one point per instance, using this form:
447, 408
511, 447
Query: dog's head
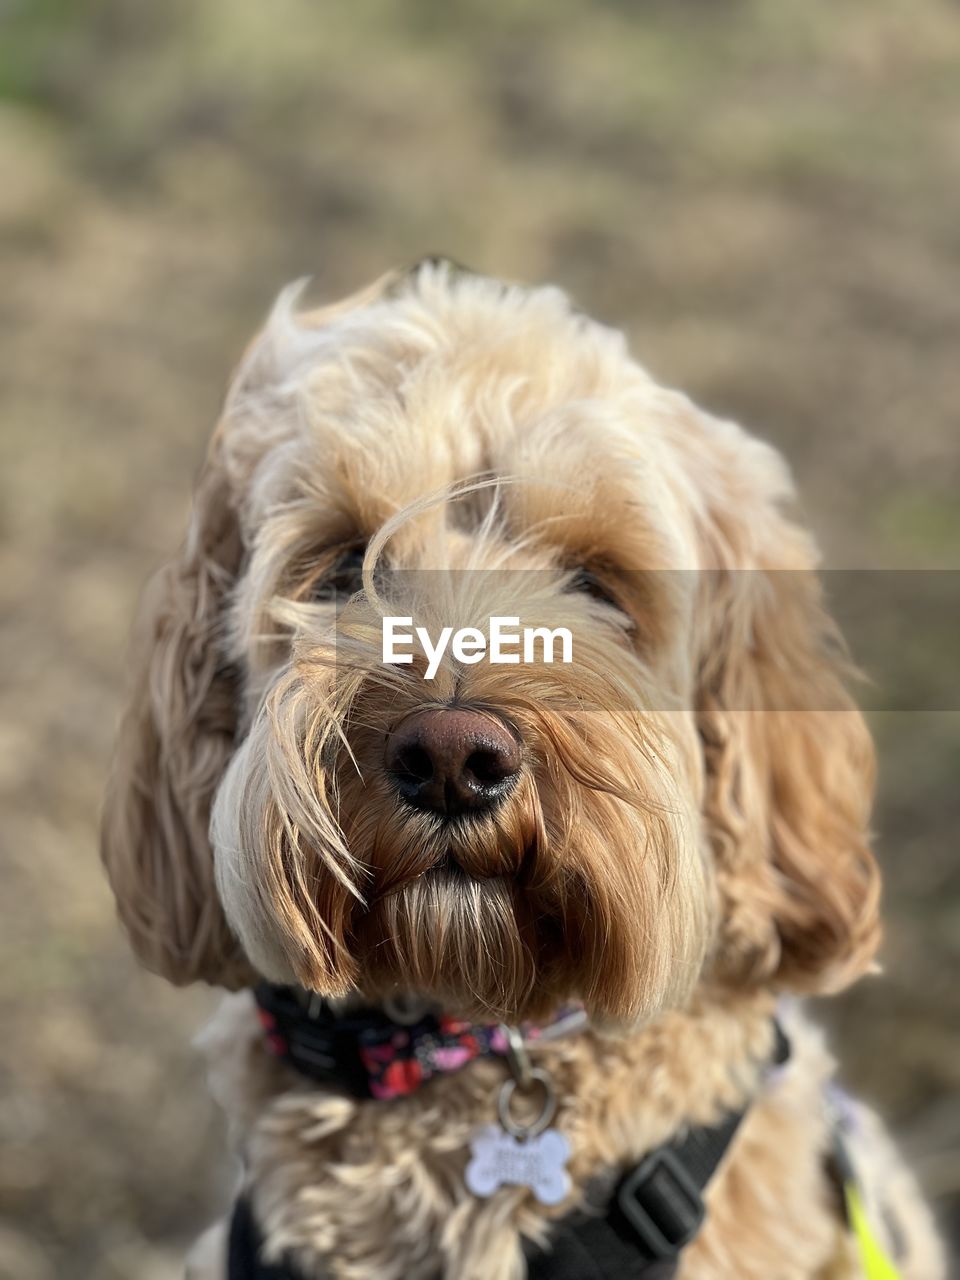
685, 800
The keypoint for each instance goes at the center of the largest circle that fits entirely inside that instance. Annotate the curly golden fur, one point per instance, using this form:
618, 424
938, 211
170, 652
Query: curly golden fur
687, 839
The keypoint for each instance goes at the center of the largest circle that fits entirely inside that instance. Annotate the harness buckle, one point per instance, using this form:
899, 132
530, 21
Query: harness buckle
661, 1203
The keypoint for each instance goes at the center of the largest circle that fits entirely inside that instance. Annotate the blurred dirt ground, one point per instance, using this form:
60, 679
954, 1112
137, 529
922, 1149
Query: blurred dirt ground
766, 195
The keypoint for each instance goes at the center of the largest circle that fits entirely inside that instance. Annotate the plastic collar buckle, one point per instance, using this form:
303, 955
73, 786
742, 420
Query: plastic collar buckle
661, 1203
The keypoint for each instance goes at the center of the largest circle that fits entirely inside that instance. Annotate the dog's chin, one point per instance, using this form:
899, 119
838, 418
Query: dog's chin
481, 947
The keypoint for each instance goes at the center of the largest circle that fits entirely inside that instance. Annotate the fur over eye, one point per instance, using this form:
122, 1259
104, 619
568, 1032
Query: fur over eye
344, 579
587, 582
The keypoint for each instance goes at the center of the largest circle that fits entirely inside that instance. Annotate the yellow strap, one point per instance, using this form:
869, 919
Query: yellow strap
876, 1263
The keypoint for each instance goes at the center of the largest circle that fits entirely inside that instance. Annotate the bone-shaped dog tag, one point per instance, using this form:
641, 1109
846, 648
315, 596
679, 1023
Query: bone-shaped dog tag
499, 1159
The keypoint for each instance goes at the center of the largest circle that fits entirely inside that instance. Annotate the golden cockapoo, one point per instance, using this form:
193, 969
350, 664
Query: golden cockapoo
526, 933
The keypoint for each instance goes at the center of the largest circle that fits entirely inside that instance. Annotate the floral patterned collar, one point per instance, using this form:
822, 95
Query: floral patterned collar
383, 1052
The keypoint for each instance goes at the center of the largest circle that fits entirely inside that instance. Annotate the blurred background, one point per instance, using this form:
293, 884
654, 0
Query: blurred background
765, 195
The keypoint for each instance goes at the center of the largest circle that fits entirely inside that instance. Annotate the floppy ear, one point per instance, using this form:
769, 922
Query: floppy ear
178, 733
789, 760
174, 743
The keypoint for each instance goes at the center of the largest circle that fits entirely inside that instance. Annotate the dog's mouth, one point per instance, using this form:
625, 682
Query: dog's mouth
462, 862
450, 868
458, 867
480, 943
403, 847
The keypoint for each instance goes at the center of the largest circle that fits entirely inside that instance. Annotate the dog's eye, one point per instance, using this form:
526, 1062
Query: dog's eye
587, 583
344, 579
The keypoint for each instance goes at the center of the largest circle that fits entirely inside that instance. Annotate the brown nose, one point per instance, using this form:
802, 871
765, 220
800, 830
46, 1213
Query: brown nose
451, 760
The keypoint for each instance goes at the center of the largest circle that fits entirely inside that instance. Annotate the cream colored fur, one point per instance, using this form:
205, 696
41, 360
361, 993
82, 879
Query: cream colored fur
688, 836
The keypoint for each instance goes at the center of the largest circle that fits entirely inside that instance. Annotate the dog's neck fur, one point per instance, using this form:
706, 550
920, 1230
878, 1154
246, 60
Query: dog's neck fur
322, 1167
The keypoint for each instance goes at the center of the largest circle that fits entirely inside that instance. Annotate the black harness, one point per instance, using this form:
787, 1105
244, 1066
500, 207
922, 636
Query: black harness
633, 1228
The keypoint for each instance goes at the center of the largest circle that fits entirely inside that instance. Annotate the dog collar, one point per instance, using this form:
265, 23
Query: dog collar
383, 1052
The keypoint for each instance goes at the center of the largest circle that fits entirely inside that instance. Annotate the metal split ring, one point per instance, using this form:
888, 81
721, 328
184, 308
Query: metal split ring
549, 1110
517, 1056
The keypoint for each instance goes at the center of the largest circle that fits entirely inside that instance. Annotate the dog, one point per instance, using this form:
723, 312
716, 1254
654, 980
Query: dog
514, 953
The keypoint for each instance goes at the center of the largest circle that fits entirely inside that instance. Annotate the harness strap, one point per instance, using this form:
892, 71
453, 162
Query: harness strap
876, 1263
573, 1256
244, 1247
655, 1211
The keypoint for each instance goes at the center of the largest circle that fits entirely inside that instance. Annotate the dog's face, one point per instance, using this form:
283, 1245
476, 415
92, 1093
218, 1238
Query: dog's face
683, 801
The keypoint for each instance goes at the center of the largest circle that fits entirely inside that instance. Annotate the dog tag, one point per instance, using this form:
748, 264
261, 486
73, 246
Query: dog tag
501, 1159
